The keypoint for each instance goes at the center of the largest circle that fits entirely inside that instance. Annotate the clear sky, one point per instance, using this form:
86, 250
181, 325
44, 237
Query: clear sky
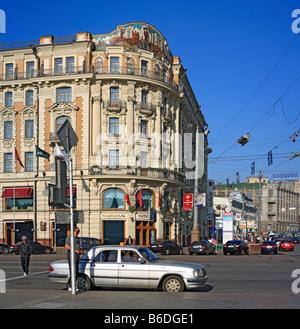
241, 57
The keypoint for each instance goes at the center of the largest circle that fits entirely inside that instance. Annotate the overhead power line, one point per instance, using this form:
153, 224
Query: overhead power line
260, 86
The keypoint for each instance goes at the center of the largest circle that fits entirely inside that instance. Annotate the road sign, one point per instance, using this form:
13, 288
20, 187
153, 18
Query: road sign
67, 136
187, 201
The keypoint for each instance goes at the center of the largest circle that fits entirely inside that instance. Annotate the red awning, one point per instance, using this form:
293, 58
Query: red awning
68, 191
19, 192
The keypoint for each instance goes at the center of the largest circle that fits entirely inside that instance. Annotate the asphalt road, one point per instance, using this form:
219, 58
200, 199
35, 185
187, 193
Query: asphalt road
234, 282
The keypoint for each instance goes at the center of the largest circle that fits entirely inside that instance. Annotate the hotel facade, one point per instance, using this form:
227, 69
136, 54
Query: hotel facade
130, 103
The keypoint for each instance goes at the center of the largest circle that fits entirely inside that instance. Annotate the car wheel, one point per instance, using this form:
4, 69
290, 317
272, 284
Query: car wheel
47, 251
83, 283
207, 252
167, 252
4, 250
180, 252
173, 283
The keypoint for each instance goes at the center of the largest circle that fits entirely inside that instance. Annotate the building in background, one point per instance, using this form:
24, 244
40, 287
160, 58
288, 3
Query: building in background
280, 206
130, 103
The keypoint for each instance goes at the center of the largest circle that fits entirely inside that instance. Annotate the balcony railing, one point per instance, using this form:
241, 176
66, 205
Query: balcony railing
72, 70
145, 172
31, 74
156, 75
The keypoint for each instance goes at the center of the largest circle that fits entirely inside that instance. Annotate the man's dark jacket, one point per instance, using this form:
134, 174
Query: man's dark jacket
25, 249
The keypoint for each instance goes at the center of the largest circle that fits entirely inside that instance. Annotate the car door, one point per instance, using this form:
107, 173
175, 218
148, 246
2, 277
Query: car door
174, 248
133, 273
104, 268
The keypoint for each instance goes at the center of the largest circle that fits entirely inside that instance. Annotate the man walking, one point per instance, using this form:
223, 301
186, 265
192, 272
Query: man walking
25, 252
77, 253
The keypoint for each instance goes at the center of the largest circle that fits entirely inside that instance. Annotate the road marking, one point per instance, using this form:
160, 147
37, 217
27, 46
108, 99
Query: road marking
22, 276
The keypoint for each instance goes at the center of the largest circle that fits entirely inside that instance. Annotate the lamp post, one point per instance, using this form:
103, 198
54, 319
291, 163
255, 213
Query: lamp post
199, 170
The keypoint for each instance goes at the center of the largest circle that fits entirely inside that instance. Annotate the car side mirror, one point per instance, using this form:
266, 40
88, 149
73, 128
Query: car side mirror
142, 260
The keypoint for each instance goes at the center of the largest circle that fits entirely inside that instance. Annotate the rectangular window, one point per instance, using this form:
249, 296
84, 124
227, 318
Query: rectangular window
114, 126
8, 129
29, 129
114, 96
144, 161
29, 98
8, 99
70, 64
64, 95
144, 97
144, 67
58, 65
114, 158
21, 204
30, 69
144, 131
114, 65
9, 72
8, 161
29, 161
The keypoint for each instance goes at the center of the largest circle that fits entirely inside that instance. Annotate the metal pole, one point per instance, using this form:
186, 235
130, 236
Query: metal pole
73, 281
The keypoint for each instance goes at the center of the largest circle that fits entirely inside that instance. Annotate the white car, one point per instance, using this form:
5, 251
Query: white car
130, 267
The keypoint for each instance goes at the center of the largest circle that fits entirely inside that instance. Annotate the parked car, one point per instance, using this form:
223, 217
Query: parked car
201, 247
235, 247
4, 248
166, 247
286, 245
295, 240
87, 243
37, 248
130, 267
268, 247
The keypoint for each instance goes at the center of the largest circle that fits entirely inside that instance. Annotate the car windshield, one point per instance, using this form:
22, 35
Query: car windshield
148, 254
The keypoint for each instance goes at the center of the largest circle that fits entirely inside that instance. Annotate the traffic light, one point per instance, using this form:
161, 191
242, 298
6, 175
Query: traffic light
244, 139
58, 192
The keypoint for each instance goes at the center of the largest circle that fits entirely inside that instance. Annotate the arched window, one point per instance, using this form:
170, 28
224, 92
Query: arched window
113, 199
148, 200
60, 121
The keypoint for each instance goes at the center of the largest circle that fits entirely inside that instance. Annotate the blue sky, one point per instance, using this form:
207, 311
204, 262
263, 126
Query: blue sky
229, 47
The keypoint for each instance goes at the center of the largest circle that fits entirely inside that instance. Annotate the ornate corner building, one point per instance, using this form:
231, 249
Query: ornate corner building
130, 103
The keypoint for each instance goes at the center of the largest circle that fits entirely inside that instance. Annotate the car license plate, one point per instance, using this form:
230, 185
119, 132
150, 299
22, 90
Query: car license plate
287, 245
269, 247
230, 246
196, 246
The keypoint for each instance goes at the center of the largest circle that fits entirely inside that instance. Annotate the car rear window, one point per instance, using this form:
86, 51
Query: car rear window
268, 243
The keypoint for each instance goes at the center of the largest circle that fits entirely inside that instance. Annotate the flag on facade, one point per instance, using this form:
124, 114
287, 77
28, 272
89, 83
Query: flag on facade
41, 153
58, 152
18, 158
270, 158
252, 168
159, 199
126, 197
139, 197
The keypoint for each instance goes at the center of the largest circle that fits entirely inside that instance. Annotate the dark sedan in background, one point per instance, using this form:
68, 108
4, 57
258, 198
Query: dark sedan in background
166, 247
201, 247
235, 247
37, 248
268, 247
